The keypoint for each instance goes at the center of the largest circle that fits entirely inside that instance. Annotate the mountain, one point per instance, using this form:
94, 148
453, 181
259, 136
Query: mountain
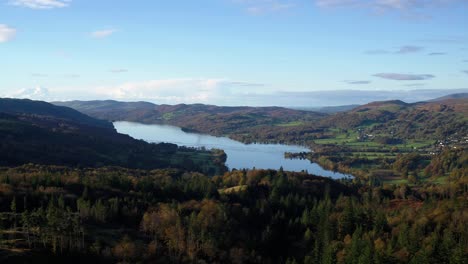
96, 107
451, 96
381, 111
423, 120
210, 119
394, 118
382, 105
42, 133
29, 107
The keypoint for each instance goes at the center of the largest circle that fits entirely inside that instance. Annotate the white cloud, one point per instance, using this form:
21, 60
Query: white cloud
409, 7
404, 76
222, 92
119, 70
37, 93
163, 91
334, 3
259, 7
71, 75
6, 33
357, 81
41, 4
388, 4
400, 50
38, 74
103, 33
173, 91
409, 49
167, 91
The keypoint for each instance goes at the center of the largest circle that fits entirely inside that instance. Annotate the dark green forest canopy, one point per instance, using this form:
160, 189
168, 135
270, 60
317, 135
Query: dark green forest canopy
110, 214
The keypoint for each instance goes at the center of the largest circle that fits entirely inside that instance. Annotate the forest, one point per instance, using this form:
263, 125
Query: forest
110, 214
74, 190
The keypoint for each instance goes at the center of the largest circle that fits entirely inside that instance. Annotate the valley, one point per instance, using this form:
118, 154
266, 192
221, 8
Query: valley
73, 189
360, 141
234, 132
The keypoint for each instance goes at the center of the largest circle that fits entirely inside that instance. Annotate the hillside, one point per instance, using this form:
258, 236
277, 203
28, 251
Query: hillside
404, 206
395, 119
424, 120
38, 108
210, 119
364, 114
42, 133
371, 140
392, 141
451, 96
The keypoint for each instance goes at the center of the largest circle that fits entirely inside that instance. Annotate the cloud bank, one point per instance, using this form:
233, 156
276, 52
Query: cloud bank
171, 91
36, 93
229, 93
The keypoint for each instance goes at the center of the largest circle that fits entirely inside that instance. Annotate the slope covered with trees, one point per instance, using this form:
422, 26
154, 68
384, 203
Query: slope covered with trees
210, 119
60, 214
432, 120
39, 108
38, 132
388, 119
368, 141
77, 207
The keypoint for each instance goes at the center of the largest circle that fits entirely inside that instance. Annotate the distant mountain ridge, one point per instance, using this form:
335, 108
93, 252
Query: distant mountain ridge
381, 104
450, 96
210, 119
425, 120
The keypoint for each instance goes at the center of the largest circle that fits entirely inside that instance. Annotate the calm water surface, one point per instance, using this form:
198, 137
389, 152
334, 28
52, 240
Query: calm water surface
239, 155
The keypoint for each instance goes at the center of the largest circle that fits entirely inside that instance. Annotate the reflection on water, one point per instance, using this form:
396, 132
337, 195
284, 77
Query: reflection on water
239, 155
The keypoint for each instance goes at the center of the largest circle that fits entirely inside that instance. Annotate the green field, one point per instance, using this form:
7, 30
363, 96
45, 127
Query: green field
291, 124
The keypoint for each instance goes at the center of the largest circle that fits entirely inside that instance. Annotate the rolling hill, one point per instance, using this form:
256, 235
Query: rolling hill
210, 119
42, 133
423, 120
39, 108
395, 119
451, 96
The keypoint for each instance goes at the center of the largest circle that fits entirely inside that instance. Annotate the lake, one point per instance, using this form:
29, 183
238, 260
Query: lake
239, 155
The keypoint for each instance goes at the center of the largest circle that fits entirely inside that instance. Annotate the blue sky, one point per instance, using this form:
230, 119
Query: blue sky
233, 52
